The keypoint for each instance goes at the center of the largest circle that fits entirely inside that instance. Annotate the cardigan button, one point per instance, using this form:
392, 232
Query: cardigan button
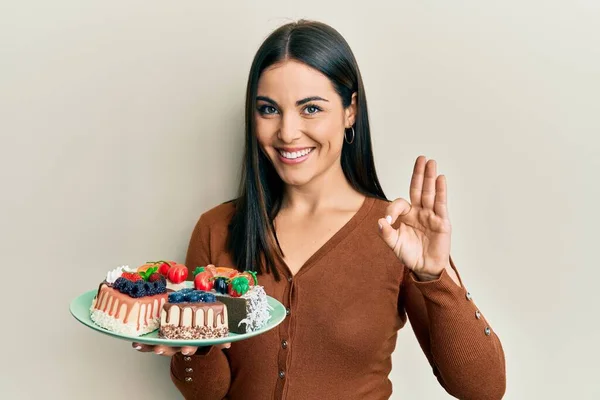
188, 379
469, 297
284, 344
281, 374
287, 311
289, 278
477, 314
189, 370
487, 331
187, 358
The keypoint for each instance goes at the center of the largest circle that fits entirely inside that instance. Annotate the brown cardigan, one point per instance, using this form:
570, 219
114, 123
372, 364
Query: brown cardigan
345, 306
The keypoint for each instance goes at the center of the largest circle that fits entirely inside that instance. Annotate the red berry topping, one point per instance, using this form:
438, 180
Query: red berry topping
132, 276
156, 277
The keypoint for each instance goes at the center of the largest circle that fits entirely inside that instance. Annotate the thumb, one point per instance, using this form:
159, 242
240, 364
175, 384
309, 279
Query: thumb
387, 232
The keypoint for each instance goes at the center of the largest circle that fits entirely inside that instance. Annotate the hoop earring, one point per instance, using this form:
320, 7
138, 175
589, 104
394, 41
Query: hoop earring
353, 136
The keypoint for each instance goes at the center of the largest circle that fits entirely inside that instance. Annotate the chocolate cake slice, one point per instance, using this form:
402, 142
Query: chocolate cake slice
248, 312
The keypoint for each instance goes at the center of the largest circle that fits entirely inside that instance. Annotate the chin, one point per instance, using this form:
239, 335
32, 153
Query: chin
296, 178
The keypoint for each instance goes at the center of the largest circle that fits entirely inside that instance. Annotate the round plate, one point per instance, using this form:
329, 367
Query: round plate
80, 309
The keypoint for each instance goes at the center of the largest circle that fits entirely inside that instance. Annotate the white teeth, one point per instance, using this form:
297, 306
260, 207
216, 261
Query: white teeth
295, 154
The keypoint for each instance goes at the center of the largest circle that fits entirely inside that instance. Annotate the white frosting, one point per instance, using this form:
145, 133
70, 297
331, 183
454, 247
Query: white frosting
257, 309
116, 273
112, 324
176, 286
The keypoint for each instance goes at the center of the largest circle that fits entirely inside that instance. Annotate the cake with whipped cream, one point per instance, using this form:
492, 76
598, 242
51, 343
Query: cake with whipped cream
193, 314
130, 302
248, 309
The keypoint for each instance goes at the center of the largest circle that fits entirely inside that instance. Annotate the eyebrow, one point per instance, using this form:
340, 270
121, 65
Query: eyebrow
298, 103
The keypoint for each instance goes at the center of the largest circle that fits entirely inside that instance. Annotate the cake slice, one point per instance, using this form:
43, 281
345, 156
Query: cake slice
249, 312
247, 306
129, 303
193, 314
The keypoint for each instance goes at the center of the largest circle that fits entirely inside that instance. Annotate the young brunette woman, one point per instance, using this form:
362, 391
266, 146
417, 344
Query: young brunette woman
349, 265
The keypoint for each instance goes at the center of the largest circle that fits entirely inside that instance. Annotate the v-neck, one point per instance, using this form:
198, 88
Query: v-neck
334, 240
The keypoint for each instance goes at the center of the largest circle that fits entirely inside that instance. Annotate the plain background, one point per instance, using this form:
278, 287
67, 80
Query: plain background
122, 122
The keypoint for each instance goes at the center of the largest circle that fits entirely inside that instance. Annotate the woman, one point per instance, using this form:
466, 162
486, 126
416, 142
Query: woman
348, 265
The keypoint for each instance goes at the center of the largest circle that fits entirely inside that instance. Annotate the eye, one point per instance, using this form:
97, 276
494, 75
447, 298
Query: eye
266, 109
312, 109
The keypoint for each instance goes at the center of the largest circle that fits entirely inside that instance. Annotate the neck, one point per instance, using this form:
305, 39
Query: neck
326, 191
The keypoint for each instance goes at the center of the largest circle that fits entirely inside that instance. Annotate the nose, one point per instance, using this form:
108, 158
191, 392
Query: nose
289, 130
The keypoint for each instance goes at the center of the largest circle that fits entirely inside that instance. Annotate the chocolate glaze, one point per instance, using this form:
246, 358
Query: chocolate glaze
217, 307
116, 299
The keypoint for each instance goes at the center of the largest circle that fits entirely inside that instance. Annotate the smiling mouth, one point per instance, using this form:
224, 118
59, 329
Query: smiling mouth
292, 155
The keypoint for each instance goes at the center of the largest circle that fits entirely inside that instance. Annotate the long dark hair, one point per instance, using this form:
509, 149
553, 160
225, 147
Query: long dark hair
252, 239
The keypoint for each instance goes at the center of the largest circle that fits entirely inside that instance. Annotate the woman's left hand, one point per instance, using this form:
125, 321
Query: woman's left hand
422, 240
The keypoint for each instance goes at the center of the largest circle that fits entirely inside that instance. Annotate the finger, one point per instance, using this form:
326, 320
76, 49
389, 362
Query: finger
397, 208
166, 351
144, 348
441, 206
428, 194
188, 350
416, 182
389, 235
224, 346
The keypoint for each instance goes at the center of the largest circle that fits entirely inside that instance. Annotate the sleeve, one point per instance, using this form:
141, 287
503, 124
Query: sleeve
207, 374
464, 352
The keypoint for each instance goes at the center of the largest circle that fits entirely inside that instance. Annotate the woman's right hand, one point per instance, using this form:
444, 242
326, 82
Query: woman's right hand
171, 351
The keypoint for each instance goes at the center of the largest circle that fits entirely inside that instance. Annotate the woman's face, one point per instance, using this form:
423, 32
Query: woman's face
300, 121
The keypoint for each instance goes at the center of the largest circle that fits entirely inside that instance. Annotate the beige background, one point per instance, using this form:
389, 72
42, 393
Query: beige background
122, 121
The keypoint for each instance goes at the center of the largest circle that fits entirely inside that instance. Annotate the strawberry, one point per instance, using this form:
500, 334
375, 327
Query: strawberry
238, 286
132, 276
164, 268
156, 277
202, 279
251, 276
177, 273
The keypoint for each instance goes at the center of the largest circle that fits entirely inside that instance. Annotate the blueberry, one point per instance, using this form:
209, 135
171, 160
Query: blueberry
194, 297
186, 290
138, 289
208, 298
176, 297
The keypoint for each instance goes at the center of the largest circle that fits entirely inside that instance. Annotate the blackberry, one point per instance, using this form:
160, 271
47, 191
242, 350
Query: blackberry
126, 286
119, 283
148, 287
158, 288
221, 285
138, 290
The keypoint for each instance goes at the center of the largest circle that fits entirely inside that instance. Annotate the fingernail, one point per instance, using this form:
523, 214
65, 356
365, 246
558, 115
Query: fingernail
159, 352
185, 353
389, 219
380, 226
138, 347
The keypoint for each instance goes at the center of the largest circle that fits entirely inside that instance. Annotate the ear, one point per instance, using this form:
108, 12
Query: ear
350, 112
